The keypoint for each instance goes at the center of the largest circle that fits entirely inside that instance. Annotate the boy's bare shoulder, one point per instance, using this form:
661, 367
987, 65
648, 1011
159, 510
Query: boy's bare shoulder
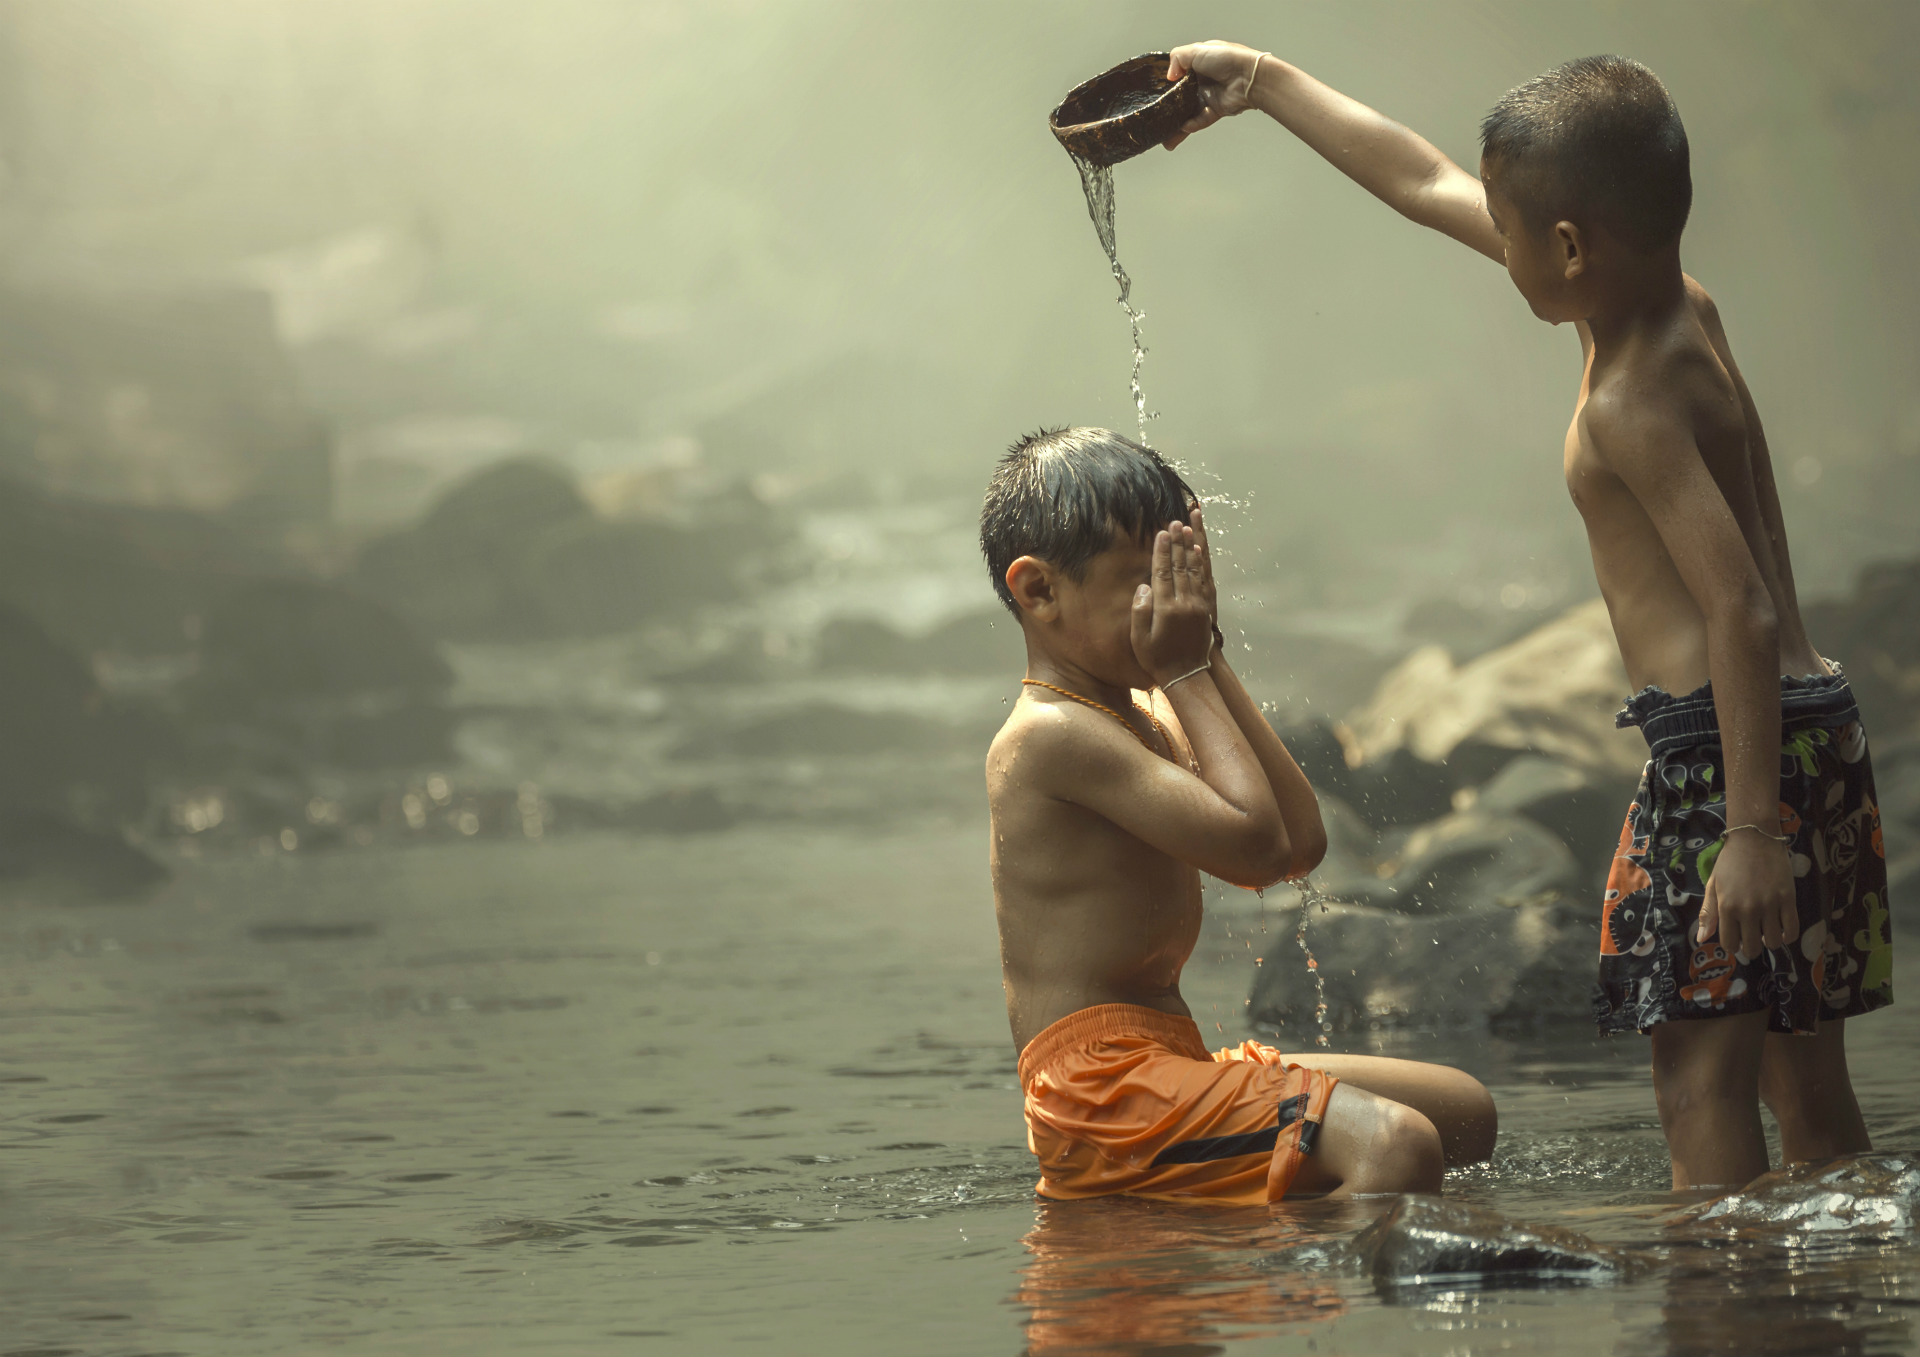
1041, 742
1703, 303
1670, 393
1633, 409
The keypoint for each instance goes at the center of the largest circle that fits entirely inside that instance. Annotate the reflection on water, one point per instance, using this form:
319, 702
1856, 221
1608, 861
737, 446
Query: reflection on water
1137, 1276
1843, 1301
753, 1088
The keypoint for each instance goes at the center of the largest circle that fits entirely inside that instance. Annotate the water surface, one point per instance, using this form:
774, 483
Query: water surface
742, 1091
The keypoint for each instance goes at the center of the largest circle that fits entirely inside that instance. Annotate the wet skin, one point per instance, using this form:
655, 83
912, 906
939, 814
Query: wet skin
1101, 822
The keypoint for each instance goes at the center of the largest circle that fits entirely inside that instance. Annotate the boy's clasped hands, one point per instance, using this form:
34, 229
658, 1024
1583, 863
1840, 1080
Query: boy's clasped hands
1175, 614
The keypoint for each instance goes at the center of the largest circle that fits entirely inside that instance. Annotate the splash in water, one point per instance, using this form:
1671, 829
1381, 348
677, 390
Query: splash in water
1309, 896
1096, 181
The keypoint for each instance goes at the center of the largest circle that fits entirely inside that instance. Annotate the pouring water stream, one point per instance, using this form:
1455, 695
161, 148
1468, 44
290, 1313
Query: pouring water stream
1096, 181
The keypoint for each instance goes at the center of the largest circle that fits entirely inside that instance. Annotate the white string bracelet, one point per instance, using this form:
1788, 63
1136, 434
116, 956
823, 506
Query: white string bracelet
1735, 829
1189, 674
1246, 95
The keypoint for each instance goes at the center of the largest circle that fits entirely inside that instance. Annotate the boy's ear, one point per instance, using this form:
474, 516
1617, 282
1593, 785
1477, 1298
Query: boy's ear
1030, 581
1571, 242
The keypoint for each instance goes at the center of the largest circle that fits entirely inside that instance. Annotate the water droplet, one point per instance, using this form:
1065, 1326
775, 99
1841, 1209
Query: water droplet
1310, 895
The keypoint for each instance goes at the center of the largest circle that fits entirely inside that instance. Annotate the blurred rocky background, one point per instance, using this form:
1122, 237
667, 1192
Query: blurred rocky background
425, 422
1474, 810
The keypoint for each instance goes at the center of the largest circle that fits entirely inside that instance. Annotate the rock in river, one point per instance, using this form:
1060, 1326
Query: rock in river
1423, 1238
1583, 807
1396, 789
1554, 691
1464, 860
74, 764
1875, 632
1503, 964
1856, 1194
1474, 918
514, 553
304, 671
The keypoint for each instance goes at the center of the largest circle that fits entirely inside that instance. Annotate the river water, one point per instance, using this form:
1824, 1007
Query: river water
449, 1086
741, 1091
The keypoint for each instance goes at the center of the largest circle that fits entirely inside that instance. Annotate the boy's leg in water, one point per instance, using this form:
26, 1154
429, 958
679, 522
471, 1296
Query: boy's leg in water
1706, 1080
1369, 1144
1457, 1104
1806, 1086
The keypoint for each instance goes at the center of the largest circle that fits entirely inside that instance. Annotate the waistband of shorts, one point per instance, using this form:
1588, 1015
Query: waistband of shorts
1670, 722
1110, 1020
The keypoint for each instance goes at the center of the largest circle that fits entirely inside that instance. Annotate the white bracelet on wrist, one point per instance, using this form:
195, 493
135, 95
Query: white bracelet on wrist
1189, 674
1246, 95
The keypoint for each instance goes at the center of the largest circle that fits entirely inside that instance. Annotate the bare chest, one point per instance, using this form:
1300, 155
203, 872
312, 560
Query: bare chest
1601, 496
1046, 846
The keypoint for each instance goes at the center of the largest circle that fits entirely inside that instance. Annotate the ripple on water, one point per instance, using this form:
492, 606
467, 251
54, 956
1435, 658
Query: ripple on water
823, 1201
365, 1135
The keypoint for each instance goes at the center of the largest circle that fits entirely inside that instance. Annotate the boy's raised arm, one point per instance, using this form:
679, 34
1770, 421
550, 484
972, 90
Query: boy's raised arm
1299, 807
1393, 163
1225, 821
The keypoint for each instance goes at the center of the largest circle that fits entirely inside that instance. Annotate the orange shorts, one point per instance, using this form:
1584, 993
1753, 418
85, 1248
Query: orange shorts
1127, 1099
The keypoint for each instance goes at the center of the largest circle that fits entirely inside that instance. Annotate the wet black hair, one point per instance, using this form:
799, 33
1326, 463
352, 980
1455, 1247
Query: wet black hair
1599, 139
1062, 494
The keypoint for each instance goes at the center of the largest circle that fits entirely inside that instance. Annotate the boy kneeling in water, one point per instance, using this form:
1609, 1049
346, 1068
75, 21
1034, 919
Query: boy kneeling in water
1133, 762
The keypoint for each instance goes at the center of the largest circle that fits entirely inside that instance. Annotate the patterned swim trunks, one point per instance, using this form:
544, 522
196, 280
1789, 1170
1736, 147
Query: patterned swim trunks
1651, 969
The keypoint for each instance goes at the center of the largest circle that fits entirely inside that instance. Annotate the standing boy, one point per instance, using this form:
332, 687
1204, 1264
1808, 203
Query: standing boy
1106, 811
1746, 916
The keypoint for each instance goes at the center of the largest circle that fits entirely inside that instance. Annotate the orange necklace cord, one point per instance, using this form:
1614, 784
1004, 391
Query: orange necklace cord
1158, 729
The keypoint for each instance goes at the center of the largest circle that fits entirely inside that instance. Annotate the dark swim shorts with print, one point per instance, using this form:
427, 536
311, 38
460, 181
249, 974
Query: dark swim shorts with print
1651, 969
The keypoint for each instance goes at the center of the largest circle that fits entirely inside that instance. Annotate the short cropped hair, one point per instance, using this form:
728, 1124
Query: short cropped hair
1062, 494
1596, 139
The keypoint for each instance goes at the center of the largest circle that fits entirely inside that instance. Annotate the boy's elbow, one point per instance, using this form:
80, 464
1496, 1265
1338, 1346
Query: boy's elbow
1750, 614
1267, 856
1309, 849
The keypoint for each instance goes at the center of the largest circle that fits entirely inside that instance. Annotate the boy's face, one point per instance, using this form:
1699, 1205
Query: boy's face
1089, 621
1537, 262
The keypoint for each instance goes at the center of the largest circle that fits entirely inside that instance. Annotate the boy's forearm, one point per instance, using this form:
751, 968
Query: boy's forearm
1299, 807
1743, 660
1390, 161
1227, 763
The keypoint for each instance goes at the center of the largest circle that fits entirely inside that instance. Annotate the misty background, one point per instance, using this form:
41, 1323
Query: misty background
495, 664
812, 239
436, 387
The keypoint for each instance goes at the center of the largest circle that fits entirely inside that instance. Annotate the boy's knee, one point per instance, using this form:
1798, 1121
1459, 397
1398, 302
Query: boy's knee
1675, 1097
1803, 1070
1415, 1161
1680, 1091
1476, 1125
1784, 1090
1803, 1098
1708, 1064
